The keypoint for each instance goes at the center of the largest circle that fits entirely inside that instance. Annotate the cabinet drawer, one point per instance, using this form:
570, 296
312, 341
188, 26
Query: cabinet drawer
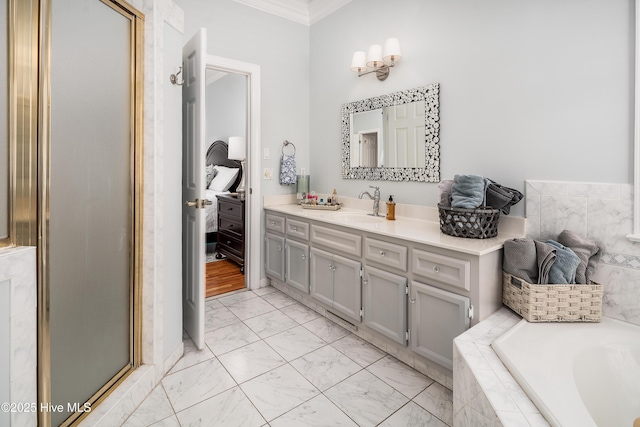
297, 229
230, 210
386, 253
228, 241
228, 225
275, 223
337, 240
452, 271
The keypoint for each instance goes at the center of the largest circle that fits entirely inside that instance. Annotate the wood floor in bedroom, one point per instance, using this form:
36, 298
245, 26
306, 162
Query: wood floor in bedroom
221, 277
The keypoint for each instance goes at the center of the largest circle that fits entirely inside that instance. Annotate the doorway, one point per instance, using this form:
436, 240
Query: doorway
225, 123
239, 92
196, 62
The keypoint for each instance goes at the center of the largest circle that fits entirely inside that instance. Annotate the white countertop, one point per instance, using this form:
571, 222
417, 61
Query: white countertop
407, 228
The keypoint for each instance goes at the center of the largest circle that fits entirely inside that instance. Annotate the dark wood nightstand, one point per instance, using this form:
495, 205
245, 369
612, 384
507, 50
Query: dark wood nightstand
231, 228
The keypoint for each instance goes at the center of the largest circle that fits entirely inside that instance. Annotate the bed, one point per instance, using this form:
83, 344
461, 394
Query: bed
218, 155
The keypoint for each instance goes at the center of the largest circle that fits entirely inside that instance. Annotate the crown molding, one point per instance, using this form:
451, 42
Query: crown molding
318, 9
305, 12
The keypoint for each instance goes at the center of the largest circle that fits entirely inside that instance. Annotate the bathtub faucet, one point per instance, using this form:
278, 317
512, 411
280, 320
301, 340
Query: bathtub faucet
375, 198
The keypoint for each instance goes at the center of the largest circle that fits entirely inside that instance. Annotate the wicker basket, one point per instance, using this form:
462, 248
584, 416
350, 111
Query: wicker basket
552, 303
479, 223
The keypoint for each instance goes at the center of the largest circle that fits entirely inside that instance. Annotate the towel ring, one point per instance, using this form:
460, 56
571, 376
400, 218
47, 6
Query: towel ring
285, 143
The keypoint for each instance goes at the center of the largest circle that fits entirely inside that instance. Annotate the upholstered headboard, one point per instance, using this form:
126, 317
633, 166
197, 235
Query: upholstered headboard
218, 154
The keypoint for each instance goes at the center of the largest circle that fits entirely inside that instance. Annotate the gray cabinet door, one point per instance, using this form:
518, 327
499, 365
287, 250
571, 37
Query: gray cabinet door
297, 265
437, 317
347, 292
385, 303
274, 256
321, 275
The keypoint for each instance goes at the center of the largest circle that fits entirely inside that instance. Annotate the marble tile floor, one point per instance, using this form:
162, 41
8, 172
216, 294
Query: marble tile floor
270, 361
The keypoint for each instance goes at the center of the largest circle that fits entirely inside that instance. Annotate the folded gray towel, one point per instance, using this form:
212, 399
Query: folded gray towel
529, 260
501, 197
546, 256
520, 259
444, 192
588, 251
467, 191
564, 269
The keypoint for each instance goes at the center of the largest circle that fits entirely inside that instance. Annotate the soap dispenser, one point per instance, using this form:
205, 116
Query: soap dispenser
391, 209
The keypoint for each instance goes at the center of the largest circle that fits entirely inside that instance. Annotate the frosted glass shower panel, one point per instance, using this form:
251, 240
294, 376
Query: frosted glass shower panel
90, 199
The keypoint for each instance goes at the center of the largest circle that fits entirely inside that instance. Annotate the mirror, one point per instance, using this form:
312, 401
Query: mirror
393, 137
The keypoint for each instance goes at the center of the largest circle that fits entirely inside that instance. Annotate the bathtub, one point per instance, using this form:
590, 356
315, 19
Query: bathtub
577, 374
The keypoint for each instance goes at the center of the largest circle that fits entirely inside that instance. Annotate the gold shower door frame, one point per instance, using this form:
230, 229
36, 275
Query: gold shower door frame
136, 18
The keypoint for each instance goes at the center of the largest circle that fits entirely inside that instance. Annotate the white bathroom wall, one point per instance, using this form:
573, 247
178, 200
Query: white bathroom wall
600, 212
172, 186
529, 89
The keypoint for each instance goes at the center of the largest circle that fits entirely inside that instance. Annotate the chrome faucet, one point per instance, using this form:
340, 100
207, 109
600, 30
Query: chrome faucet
375, 198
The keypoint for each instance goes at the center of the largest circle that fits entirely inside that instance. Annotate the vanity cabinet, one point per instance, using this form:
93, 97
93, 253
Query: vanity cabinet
385, 303
405, 286
287, 254
437, 317
297, 265
274, 256
336, 282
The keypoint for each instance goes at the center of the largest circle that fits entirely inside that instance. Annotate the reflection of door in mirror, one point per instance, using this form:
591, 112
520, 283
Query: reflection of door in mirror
366, 139
369, 149
404, 135
392, 136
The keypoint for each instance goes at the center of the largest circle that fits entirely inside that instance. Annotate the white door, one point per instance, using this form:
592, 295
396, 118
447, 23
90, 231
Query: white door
193, 186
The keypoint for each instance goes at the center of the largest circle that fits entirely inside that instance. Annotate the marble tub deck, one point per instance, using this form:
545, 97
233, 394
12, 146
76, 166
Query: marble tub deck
270, 361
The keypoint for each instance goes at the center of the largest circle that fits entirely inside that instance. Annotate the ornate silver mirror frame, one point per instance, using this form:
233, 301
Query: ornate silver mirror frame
431, 171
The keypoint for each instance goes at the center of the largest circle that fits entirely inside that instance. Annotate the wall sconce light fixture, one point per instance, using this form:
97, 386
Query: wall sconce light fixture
375, 61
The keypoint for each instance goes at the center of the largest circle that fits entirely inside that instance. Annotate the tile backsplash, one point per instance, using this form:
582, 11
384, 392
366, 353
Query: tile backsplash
601, 212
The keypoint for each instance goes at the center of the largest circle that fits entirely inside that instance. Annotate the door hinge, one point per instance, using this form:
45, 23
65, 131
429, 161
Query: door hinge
361, 313
250, 190
407, 335
470, 312
361, 273
406, 290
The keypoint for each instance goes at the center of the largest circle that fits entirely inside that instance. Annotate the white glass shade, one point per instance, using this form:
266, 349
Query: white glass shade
358, 63
374, 58
237, 148
392, 52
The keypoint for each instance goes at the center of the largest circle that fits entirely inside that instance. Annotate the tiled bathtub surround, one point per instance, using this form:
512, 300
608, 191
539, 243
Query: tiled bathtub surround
484, 392
601, 212
18, 273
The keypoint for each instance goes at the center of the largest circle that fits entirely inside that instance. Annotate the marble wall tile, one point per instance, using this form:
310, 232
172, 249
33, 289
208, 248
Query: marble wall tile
601, 212
18, 271
562, 213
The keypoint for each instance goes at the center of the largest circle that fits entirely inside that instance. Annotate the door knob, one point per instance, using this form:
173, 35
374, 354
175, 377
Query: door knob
198, 203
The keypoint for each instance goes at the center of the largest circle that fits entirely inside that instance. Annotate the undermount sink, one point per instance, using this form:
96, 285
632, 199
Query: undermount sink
355, 218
